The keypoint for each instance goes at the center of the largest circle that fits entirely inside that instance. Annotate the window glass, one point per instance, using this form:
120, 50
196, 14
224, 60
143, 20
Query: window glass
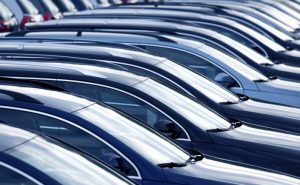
192, 61
63, 164
124, 102
141, 139
67, 133
193, 111
7, 176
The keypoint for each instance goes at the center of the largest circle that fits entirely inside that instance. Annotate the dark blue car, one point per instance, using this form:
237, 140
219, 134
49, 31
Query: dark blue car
182, 119
132, 148
30, 159
276, 52
133, 60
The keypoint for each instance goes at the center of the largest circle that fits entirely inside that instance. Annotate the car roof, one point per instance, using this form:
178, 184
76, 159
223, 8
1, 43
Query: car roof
81, 71
44, 97
11, 137
95, 52
98, 22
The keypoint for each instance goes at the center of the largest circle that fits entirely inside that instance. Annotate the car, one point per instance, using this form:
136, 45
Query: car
186, 126
65, 6
48, 9
222, 102
24, 11
120, 141
265, 89
29, 158
8, 21
277, 52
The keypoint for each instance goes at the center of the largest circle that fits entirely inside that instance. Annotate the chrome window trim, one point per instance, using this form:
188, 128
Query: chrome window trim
20, 173
81, 128
90, 83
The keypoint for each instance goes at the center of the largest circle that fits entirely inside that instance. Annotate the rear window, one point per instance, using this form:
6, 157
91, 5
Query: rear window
27, 7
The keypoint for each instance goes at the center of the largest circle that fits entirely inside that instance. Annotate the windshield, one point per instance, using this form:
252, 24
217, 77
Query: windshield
247, 71
263, 16
284, 18
196, 113
266, 41
271, 29
63, 165
251, 54
210, 89
148, 144
28, 7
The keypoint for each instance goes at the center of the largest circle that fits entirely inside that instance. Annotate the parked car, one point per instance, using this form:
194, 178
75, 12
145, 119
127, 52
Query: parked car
48, 9
265, 87
193, 126
119, 141
29, 159
8, 21
215, 97
24, 11
238, 32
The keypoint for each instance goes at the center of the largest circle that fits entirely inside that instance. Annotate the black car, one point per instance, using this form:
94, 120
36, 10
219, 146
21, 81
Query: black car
179, 117
284, 52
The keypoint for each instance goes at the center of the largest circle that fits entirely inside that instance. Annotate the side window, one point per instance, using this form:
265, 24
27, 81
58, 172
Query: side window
67, 133
128, 104
196, 63
8, 176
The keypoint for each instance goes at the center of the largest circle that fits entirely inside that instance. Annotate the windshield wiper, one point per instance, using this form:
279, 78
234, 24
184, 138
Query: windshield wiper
193, 158
172, 165
234, 124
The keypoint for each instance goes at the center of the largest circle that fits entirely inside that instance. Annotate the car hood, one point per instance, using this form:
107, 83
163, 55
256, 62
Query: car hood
293, 53
279, 86
256, 139
209, 171
286, 68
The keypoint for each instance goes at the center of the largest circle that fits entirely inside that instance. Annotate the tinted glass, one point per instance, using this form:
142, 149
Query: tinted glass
122, 101
145, 142
68, 133
65, 166
196, 113
192, 61
9, 177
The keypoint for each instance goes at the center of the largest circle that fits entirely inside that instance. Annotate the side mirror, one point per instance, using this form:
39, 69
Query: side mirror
168, 128
116, 162
225, 80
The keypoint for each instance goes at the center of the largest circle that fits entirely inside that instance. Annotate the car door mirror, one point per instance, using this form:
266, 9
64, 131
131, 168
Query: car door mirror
168, 128
116, 162
225, 80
